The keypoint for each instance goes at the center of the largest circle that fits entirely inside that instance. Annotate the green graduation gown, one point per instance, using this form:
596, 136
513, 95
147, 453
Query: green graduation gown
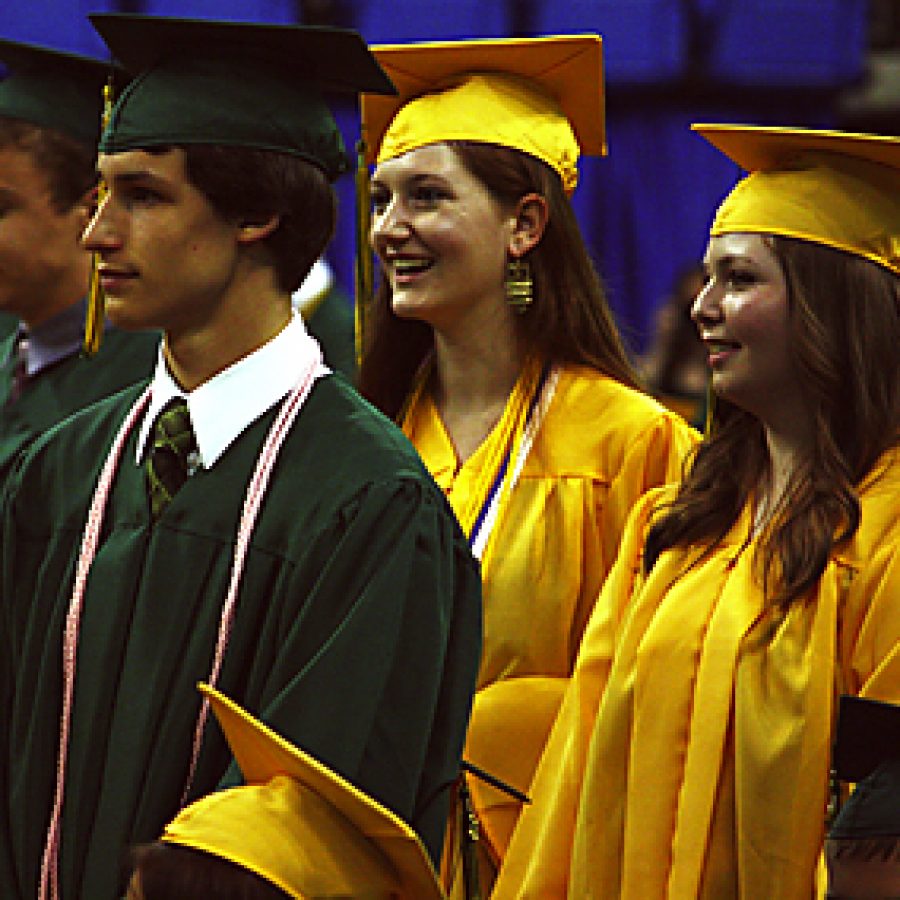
66, 386
357, 633
330, 322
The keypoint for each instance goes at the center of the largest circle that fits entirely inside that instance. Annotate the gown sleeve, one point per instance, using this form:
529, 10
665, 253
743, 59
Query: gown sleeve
869, 639
536, 864
656, 457
9, 886
376, 668
6, 866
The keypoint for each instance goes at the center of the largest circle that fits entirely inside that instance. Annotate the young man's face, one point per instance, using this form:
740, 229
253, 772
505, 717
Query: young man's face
43, 267
166, 257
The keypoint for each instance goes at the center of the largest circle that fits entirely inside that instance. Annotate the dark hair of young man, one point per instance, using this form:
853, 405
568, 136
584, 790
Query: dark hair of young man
248, 185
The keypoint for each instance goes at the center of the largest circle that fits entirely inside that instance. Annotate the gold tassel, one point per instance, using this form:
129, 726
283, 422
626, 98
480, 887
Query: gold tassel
96, 304
469, 838
364, 273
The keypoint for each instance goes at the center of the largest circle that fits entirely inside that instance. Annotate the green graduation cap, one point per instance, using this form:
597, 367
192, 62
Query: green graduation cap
867, 751
235, 84
867, 734
52, 89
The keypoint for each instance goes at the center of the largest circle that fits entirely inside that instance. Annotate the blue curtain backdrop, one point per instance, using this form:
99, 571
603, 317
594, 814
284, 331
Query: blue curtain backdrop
644, 208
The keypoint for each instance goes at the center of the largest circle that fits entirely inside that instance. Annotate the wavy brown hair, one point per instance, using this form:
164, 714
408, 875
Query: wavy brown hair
844, 316
569, 320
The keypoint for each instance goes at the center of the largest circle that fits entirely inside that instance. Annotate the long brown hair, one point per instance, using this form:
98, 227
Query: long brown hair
844, 316
569, 321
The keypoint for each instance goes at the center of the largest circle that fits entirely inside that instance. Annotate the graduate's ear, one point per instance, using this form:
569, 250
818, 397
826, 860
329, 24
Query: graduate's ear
251, 230
528, 226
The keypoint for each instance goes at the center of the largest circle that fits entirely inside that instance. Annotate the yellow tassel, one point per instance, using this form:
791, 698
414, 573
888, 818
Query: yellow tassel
364, 273
469, 836
96, 305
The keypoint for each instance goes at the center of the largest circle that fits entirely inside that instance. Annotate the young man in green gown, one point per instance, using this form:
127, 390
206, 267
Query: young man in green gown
49, 123
308, 566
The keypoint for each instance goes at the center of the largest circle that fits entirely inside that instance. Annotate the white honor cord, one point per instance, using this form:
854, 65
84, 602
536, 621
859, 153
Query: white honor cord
479, 542
313, 369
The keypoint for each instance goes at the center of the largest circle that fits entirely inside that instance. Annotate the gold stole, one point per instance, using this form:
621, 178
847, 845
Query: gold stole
501, 447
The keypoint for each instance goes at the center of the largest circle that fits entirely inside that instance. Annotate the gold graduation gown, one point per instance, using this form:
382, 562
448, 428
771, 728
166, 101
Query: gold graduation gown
599, 447
691, 754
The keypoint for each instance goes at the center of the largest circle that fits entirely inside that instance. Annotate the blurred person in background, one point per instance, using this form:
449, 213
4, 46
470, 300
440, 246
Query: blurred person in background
50, 109
674, 367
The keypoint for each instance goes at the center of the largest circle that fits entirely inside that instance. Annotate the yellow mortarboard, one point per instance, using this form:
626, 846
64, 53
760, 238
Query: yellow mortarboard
299, 825
542, 96
829, 187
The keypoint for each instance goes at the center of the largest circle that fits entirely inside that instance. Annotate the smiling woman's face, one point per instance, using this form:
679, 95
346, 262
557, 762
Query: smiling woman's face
742, 315
440, 235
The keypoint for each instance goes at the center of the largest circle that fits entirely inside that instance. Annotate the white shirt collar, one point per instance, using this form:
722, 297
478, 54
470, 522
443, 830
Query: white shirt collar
223, 407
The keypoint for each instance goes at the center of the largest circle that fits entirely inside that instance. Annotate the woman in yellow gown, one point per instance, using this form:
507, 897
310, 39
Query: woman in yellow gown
690, 758
491, 341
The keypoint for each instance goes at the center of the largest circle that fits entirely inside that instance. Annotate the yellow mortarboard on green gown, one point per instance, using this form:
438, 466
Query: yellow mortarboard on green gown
234, 84
542, 96
52, 89
829, 187
299, 825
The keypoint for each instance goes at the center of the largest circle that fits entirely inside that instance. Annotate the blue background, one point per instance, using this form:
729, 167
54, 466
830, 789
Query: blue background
646, 207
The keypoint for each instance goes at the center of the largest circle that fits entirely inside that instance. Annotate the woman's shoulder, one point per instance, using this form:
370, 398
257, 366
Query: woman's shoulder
879, 526
596, 420
592, 393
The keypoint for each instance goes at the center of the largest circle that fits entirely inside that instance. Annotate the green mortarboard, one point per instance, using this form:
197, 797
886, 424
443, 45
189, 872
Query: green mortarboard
868, 734
235, 84
867, 751
873, 809
61, 91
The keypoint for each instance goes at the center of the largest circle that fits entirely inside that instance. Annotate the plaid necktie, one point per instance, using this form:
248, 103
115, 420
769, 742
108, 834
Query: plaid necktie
167, 464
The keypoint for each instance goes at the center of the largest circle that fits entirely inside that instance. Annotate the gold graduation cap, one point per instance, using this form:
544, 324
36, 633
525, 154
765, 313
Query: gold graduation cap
542, 96
299, 825
829, 187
